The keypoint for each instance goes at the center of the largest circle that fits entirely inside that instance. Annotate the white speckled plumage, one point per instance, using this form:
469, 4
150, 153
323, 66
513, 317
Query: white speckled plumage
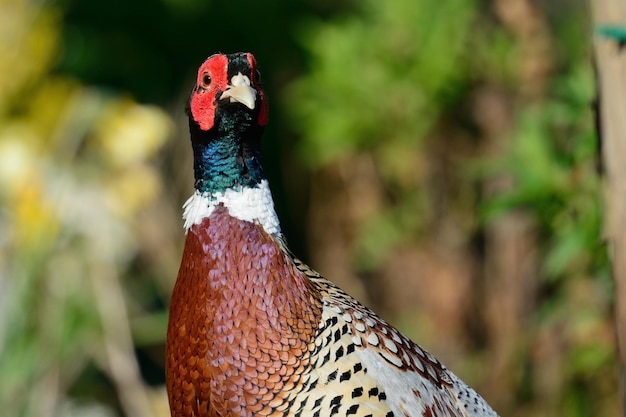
406, 380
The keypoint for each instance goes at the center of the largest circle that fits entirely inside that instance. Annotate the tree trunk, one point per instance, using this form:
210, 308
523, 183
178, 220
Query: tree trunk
610, 58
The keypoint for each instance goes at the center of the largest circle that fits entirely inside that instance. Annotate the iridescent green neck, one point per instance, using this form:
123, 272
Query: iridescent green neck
227, 156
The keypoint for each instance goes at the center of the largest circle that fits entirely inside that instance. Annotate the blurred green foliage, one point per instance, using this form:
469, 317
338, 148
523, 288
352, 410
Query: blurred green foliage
394, 86
392, 70
421, 106
553, 161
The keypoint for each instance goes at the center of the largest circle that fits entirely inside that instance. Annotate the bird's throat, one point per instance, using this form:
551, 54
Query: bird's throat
225, 163
228, 172
227, 156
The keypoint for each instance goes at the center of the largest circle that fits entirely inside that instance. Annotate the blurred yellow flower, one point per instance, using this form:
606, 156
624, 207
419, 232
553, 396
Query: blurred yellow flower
133, 190
35, 221
37, 40
129, 132
17, 161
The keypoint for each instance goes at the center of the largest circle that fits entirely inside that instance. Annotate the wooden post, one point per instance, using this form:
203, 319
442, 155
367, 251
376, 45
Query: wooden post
610, 56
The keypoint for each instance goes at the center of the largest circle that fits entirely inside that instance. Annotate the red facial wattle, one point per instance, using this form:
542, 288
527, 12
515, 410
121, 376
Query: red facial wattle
254, 74
212, 81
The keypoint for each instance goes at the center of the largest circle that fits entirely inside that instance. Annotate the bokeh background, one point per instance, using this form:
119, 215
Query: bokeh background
437, 159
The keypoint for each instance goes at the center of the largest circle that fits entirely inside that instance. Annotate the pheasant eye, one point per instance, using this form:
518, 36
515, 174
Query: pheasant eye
206, 81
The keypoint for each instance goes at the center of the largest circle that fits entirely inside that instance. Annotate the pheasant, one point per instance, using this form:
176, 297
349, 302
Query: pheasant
252, 330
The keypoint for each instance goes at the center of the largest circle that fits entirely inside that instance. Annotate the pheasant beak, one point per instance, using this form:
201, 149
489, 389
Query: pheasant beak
240, 91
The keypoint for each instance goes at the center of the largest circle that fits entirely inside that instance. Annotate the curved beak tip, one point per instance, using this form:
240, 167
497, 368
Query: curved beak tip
240, 91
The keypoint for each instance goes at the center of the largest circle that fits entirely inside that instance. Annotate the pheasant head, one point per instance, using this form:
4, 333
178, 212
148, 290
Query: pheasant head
227, 113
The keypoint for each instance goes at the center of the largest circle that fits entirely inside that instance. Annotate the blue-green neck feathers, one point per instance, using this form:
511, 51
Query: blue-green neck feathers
227, 156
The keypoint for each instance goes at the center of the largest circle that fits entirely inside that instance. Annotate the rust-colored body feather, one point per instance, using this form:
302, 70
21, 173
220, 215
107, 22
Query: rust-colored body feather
241, 320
